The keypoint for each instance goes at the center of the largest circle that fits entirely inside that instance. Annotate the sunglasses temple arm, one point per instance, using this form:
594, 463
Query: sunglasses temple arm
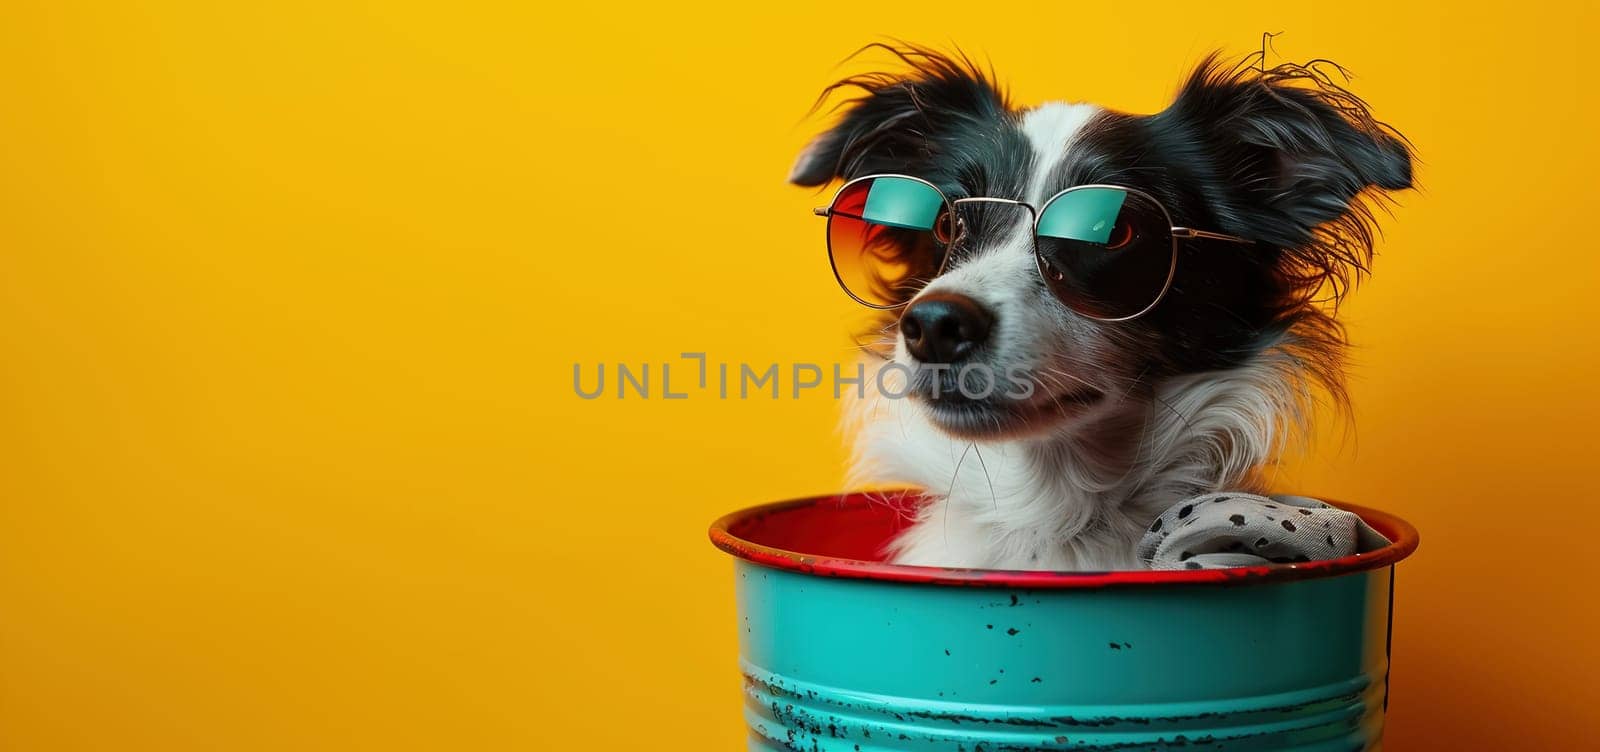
1189, 232
821, 211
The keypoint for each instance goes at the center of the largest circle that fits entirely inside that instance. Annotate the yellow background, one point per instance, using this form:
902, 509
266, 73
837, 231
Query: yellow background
290, 298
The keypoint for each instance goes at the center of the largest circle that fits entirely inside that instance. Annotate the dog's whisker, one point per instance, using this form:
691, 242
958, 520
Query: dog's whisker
994, 497
952, 490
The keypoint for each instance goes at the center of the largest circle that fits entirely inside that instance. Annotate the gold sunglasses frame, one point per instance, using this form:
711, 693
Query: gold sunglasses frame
1177, 233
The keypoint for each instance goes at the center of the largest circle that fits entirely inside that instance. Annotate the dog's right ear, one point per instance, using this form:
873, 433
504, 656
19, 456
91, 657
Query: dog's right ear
901, 119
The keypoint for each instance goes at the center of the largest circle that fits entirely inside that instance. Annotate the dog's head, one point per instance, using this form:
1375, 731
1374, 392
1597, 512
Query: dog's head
1281, 156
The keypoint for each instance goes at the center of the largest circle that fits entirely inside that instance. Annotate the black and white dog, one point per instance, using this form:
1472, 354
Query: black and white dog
1199, 393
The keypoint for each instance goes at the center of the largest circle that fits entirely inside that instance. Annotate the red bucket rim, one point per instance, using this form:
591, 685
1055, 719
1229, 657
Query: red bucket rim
1403, 537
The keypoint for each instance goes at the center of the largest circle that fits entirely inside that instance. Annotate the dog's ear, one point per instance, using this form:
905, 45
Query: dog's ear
1299, 155
899, 119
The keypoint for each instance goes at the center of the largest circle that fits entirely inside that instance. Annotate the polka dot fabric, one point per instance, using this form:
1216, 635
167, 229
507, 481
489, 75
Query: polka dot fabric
1223, 530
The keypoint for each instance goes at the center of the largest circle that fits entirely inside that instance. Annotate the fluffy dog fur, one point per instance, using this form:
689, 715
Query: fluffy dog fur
1127, 418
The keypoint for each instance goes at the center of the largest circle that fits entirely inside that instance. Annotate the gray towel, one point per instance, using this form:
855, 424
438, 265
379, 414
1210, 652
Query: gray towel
1222, 530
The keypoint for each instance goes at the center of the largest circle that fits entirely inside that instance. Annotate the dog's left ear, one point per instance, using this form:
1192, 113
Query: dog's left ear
1297, 152
900, 119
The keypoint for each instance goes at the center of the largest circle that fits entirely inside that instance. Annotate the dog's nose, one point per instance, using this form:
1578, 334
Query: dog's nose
944, 327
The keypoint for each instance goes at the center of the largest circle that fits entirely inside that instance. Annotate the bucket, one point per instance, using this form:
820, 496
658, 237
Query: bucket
842, 652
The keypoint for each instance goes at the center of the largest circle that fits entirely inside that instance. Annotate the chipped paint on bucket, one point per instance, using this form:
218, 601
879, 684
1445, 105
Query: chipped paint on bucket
843, 653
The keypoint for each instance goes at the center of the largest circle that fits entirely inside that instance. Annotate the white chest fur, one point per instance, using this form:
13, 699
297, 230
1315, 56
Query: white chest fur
1080, 499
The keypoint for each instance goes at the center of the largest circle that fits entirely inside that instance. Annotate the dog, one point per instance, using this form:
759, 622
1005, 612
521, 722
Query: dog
1120, 417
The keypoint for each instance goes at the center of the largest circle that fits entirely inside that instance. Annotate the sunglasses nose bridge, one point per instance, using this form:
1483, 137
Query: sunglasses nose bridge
1032, 212
973, 214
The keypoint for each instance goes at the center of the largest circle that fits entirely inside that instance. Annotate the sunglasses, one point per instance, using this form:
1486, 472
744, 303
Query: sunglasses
1107, 252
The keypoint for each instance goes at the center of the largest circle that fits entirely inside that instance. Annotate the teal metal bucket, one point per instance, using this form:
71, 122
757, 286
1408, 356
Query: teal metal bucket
844, 653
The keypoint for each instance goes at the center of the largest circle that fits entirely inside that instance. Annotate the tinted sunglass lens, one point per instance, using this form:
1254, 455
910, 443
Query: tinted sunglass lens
1106, 252
887, 238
